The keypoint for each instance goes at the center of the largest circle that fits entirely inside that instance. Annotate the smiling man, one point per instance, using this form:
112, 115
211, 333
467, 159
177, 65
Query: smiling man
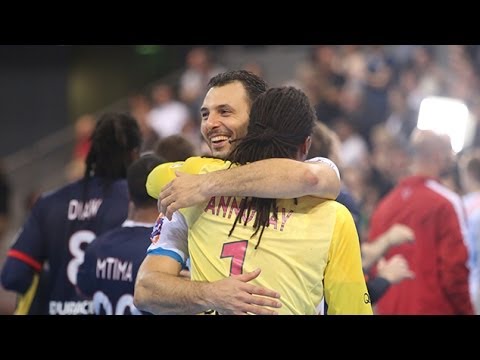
225, 117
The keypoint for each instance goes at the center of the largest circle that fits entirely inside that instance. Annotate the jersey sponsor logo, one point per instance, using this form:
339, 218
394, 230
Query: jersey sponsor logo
210, 312
71, 307
157, 229
366, 298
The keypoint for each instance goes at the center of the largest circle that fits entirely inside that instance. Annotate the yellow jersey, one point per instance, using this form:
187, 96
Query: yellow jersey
309, 253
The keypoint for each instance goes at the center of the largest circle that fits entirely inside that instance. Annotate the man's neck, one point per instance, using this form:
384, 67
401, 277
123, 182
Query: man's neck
423, 169
144, 215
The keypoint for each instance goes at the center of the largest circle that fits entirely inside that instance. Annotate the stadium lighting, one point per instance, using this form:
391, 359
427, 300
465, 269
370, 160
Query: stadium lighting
445, 115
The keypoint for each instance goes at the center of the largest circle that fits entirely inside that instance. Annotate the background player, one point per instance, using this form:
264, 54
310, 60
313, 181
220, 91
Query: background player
43, 262
111, 262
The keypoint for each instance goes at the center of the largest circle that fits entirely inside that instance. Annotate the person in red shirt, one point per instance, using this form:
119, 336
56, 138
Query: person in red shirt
438, 256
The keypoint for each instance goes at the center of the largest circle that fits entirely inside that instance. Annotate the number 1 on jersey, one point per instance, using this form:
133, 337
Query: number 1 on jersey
237, 251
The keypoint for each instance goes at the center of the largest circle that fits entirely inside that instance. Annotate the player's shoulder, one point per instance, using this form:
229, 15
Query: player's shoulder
114, 238
340, 208
324, 160
203, 164
164, 173
342, 212
331, 205
57, 196
192, 165
160, 176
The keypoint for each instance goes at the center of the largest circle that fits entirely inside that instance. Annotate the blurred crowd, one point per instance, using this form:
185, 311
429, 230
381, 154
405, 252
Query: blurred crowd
369, 98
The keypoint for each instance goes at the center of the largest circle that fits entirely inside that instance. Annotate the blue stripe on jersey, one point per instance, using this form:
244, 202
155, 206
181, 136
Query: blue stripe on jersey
169, 253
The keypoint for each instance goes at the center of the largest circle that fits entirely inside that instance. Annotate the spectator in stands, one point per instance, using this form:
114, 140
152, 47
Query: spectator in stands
255, 68
139, 106
175, 148
193, 82
469, 167
84, 127
438, 256
168, 115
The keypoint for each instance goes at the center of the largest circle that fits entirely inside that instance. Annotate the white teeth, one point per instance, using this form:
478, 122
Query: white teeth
218, 138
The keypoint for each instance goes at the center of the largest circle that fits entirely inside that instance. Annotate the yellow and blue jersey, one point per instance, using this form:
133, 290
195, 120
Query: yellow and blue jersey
309, 253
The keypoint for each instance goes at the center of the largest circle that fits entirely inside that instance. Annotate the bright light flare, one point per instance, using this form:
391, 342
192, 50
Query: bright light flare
445, 116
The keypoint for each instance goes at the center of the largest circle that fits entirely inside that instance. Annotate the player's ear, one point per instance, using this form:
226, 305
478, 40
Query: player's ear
306, 146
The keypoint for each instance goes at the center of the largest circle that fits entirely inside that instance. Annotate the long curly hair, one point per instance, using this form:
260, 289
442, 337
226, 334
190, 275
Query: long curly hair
281, 119
115, 141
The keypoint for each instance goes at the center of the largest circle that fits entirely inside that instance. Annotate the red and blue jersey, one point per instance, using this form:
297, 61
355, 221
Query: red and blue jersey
43, 262
110, 268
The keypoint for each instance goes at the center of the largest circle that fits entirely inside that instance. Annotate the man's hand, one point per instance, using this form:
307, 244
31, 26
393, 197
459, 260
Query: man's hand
235, 296
398, 234
394, 269
183, 191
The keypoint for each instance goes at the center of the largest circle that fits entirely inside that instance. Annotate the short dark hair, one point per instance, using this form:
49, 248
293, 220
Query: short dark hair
137, 174
322, 142
473, 166
253, 84
175, 148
